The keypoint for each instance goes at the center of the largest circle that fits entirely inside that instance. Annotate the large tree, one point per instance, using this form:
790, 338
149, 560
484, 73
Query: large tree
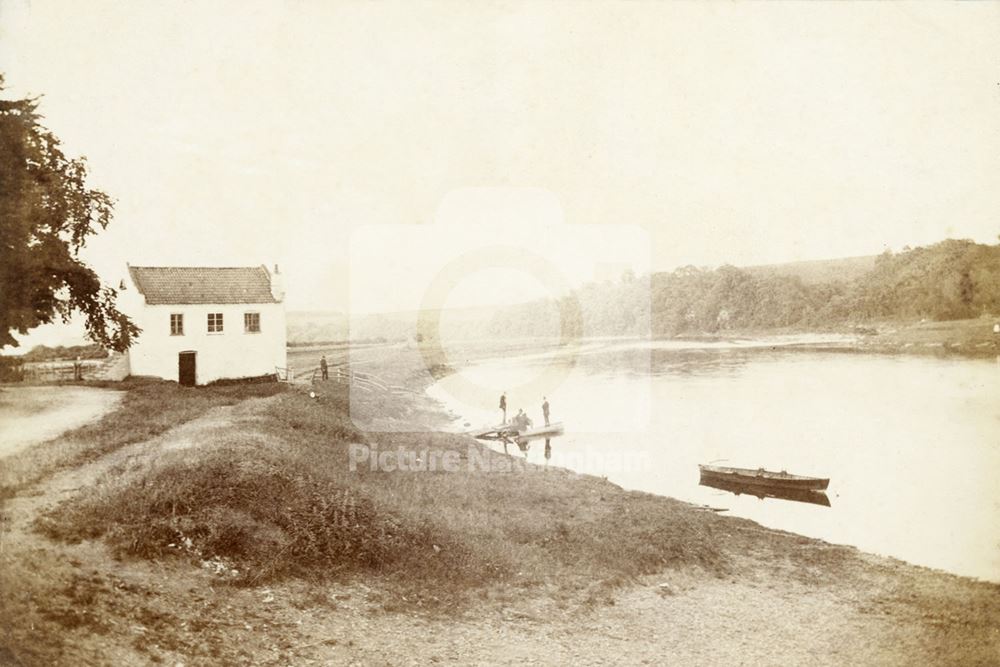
47, 213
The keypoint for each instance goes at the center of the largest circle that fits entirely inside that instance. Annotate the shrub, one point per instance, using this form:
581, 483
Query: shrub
11, 369
261, 511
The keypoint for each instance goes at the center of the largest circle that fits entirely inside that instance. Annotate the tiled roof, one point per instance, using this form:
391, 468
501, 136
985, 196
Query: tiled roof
175, 285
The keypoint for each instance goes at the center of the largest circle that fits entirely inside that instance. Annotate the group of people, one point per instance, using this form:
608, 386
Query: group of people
521, 421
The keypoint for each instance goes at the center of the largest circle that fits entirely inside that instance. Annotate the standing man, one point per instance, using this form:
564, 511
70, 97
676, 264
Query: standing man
503, 406
545, 410
323, 368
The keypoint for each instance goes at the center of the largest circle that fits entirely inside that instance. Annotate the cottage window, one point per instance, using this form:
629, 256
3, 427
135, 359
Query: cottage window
251, 322
176, 324
215, 323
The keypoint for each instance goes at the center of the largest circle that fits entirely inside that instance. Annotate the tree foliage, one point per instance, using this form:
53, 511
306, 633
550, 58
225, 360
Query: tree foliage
47, 213
953, 279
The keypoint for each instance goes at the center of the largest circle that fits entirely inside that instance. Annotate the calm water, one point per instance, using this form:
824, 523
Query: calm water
911, 445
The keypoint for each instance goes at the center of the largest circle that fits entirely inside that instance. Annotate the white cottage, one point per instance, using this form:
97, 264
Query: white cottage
205, 324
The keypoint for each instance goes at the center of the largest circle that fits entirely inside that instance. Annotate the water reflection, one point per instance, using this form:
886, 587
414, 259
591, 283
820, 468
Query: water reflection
795, 495
914, 436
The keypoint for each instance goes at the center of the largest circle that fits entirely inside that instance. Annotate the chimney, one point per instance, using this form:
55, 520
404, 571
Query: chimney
277, 285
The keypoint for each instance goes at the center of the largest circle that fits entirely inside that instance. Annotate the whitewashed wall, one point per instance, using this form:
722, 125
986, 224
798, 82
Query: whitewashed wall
230, 354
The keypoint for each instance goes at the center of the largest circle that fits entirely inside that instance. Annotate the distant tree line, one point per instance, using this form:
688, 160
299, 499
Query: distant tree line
953, 279
61, 352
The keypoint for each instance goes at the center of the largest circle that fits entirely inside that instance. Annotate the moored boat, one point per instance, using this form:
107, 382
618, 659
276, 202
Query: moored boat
762, 478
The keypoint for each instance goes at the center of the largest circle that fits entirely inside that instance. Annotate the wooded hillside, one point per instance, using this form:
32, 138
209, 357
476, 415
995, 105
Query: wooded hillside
953, 279
949, 280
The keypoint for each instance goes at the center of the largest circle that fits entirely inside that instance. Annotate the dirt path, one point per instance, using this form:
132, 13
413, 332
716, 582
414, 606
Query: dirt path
63, 604
98, 607
29, 415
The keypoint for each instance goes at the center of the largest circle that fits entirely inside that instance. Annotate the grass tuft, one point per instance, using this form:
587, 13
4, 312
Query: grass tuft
260, 511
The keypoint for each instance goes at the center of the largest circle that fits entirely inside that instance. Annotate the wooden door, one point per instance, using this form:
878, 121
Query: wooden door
187, 368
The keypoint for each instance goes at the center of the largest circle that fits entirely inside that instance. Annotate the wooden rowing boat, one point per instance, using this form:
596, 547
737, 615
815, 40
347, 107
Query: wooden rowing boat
762, 478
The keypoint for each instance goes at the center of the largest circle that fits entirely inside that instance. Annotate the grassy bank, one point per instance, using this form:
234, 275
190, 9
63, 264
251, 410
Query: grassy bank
148, 409
281, 500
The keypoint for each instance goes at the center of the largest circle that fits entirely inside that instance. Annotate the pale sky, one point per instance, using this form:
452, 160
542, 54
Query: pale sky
245, 133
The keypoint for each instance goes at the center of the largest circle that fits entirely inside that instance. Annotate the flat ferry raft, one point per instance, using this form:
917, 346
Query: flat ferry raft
507, 432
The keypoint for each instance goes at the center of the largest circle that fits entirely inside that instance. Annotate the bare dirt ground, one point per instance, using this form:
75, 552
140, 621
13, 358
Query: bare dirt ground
30, 415
74, 604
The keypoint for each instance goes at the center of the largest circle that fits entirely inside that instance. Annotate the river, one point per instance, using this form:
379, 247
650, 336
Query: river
911, 444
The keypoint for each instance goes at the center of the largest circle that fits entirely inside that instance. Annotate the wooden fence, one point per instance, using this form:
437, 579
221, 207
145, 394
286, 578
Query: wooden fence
366, 382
